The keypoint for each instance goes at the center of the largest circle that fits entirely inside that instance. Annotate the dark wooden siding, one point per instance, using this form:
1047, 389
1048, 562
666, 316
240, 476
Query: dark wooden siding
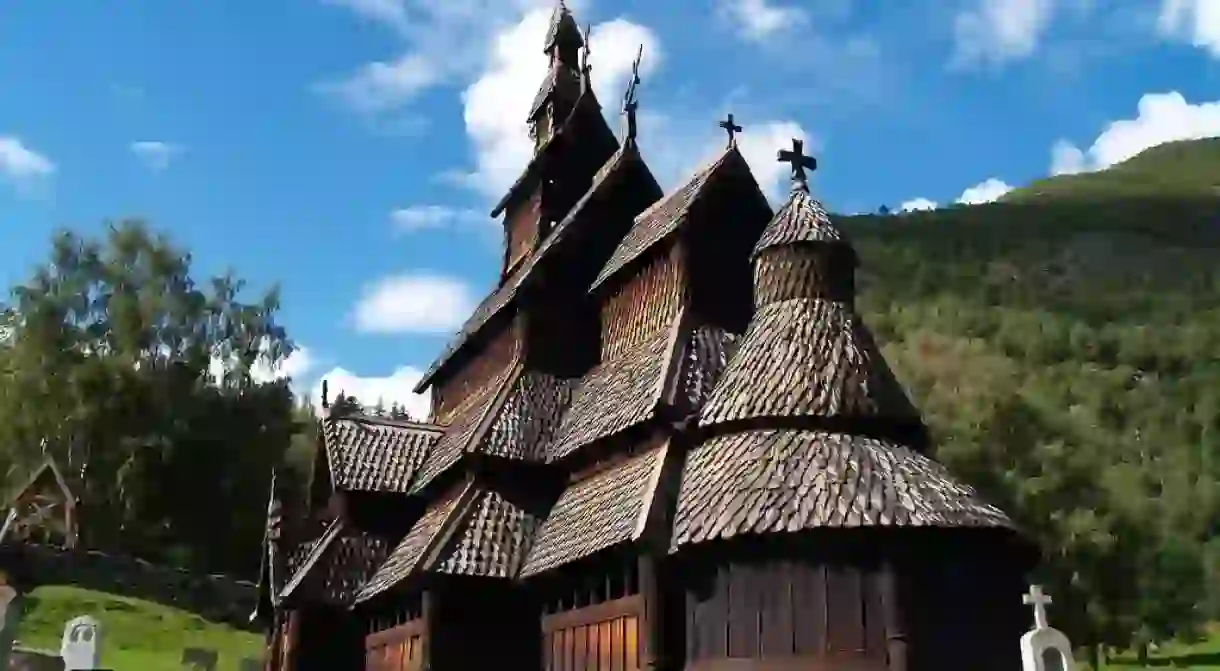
484, 623
328, 638
521, 227
926, 601
592, 617
641, 306
804, 271
783, 609
484, 365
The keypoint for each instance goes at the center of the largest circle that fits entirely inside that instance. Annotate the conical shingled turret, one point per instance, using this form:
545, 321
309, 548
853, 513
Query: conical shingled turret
807, 355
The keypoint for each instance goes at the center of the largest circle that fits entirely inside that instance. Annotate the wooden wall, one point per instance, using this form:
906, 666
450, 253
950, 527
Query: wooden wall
399, 648
521, 226
642, 305
328, 638
804, 271
592, 617
717, 243
483, 623
480, 368
904, 607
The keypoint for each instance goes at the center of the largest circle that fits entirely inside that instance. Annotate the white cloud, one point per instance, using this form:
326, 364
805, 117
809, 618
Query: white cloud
19, 163
761, 144
757, 20
1161, 118
987, 191
296, 366
418, 303
999, 31
156, 155
1194, 21
497, 102
916, 205
431, 217
394, 388
384, 85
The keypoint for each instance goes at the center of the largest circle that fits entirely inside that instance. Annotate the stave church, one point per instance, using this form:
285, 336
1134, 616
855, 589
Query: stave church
665, 440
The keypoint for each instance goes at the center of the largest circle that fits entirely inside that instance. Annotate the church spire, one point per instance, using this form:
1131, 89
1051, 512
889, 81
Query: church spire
563, 38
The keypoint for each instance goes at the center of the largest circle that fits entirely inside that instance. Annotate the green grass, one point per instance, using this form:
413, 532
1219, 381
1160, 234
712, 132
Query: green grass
136, 635
1200, 656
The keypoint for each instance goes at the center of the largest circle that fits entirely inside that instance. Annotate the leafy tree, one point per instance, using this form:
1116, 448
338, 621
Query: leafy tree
137, 379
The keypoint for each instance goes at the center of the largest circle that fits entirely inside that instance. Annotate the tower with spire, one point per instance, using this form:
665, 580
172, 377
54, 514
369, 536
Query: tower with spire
665, 439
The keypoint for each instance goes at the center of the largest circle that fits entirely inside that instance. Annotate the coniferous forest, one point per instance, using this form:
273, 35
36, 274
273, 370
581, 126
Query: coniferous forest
1063, 344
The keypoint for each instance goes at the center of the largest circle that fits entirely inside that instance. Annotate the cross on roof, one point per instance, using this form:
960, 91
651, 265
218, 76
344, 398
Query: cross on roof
731, 128
799, 161
630, 102
1039, 600
584, 52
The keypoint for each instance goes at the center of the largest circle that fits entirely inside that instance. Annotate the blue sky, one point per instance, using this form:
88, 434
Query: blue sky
350, 149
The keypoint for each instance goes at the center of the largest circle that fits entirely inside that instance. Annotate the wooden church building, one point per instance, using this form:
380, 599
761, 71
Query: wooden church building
664, 440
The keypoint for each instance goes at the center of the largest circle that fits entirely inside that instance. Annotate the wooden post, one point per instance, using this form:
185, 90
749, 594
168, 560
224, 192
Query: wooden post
427, 603
652, 637
894, 618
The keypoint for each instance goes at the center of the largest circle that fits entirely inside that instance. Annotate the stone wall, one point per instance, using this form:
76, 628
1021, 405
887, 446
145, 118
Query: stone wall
216, 598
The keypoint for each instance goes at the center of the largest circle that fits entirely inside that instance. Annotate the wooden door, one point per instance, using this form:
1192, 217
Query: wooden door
399, 648
604, 637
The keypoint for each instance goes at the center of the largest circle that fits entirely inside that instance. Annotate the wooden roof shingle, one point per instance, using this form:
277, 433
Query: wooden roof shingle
337, 565
404, 559
615, 395
667, 215
801, 219
491, 540
785, 481
529, 417
809, 358
596, 513
375, 454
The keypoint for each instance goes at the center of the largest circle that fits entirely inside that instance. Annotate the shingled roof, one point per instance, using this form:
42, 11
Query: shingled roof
375, 454
503, 295
337, 565
562, 28
791, 442
778, 480
474, 530
669, 214
598, 512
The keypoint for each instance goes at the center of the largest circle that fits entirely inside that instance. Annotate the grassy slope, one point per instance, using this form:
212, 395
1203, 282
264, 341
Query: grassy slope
1186, 168
136, 634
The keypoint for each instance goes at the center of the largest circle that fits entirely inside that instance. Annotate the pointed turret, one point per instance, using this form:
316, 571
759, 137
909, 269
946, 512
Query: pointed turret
805, 320
564, 81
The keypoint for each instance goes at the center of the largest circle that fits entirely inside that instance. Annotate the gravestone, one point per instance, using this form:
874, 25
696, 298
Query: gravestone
1044, 648
199, 659
81, 647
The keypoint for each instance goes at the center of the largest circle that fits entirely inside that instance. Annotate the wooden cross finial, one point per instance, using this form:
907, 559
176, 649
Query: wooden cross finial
584, 52
325, 395
630, 101
800, 163
1039, 600
731, 128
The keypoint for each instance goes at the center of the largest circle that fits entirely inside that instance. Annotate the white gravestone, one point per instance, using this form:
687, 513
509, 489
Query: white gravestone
1044, 648
82, 644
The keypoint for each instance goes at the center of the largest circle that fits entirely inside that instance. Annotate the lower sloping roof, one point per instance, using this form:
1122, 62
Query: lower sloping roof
615, 395
375, 454
337, 565
404, 559
596, 513
777, 480
529, 416
490, 539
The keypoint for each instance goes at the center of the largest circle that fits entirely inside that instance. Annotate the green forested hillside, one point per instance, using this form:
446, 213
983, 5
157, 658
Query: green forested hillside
1065, 347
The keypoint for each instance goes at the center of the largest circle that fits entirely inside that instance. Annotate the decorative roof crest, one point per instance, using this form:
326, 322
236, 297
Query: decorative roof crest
630, 99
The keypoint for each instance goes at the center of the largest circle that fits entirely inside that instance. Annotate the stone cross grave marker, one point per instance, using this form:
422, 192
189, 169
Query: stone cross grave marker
199, 659
1044, 648
81, 647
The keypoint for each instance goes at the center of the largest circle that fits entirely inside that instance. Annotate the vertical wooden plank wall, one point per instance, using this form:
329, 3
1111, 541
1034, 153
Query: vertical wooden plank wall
786, 609
521, 227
